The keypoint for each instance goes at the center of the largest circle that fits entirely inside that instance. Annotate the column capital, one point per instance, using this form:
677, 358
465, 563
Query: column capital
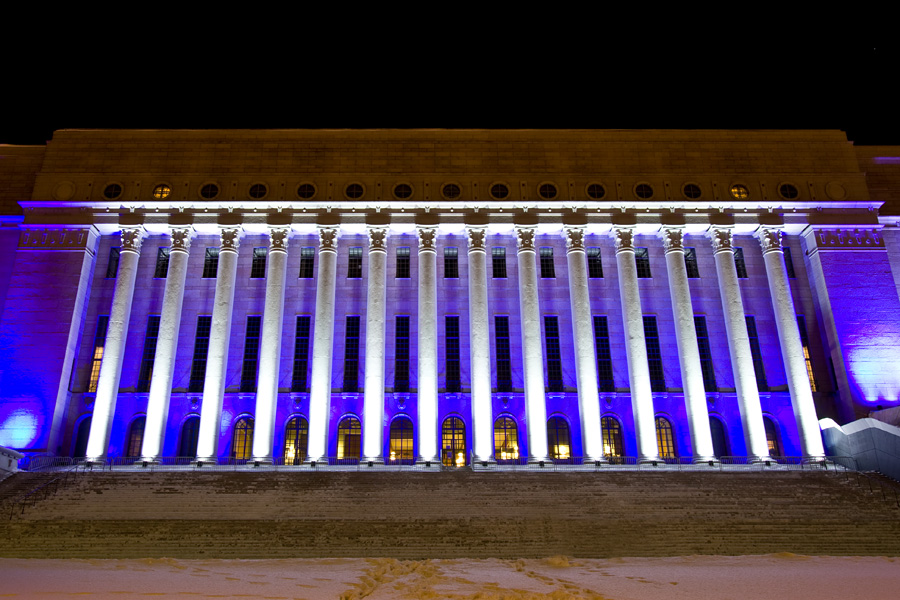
623, 237
427, 238
721, 238
132, 238
230, 237
574, 238
328, 237
181, 237
278, 238
672, 238
525, 237
378, 235
769, 238
476, 237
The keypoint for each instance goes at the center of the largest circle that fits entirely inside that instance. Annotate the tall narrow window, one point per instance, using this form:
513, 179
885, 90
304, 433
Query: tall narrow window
506, 440
453, 443
654, 355
772, 437
349, 438
401, 354
296, 440
642, 261
451, 263
758, 367
498, 262
211, 263
595, 266
351, 355
307, 262
804, 339
789, 262
251, 355
706, 365
501, 346
554, 359
301, 354
162, 263
97, 356
201, 348
548, 271
258, 266
354, 264
665, 438
149, 354
190, 434
613, 446
690, 263
719, 437
401, 445
112, 265
242, 439
135, 437
604, 356
739, 263
558, 439
403, 262
451, 345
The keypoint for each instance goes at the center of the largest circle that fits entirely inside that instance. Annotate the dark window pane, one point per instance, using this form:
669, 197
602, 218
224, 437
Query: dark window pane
654, 355
251, 355
354, 265
604, 356
451, 263
554, 359
690, 263
149, 354
706, 365
758, 367
112, 266
547, 268
162, 263
789, 262
642, 261
451, 346
401, 354
498, 261
301, 354
201, 348
501, 345
307, 262
351, 355
403, 262
595, 266
258, 267
739, 263
211, 263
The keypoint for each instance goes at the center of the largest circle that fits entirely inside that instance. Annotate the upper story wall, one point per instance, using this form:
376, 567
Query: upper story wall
19, 166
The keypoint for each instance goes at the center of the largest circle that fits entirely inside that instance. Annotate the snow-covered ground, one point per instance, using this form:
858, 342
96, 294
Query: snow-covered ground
773, 576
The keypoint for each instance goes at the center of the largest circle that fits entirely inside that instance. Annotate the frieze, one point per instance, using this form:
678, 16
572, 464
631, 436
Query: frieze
856, 239
57, 239
574, 238
672, 238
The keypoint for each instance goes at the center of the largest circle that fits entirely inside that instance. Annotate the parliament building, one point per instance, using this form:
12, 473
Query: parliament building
445, 296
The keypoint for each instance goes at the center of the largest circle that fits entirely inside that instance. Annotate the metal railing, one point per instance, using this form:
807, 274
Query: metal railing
44, 490
889, 489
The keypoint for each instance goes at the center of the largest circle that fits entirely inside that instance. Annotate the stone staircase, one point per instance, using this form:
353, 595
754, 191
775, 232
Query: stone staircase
449, 515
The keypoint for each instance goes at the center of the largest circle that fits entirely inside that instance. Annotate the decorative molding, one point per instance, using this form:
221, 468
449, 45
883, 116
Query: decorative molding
230, 238
672, 239
721, 238
849, 239
378, 235
278, 238
574, 238
181, 238
46, 238
427, 237
623, 238
328, 237
132, 238
769, 238
525, 238
477, 237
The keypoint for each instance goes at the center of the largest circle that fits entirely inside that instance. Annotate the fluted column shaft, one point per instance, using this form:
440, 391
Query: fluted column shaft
270, 350
532, 346
114, 348
739, 345
323, 344
585, 351
480, 346
166, 344
688, 351
791, 344
219, 338
376, 301
427, 342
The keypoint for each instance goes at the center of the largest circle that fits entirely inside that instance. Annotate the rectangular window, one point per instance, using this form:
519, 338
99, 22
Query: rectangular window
351, 355
258, 267
162, 263
401, 354
451, 345
251, 355
804, 339
706, 365
498, 262
604, 356
690, 263
354, 265
501, 344
211, 263
757, 356
789, 263
112, 266
149, 354
554, 358
642, 260
97, 357
595, 266
451, 263
307, 262
301, 354
403, 262
547, 269
654, 355
201, 349
739, 263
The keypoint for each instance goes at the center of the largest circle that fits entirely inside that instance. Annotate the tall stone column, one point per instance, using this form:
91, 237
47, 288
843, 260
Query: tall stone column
532, 346
219, 338
428, 341
480, 347
114, 350
323, 344
376, 301
636, 346
585, 352
166, 344
270, 350
791, 344
688, 351
739, 344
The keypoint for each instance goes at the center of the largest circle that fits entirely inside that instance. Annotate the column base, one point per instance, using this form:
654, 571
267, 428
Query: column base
203, 461
146, 461
260, 461
699, 460
540, 461
429, 463
650, 460
755, 460
809, 460
376, 461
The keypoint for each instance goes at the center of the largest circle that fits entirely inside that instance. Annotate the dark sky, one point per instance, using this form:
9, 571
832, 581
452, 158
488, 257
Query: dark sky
577, 83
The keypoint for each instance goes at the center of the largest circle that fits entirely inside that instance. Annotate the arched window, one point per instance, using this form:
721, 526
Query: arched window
242, 439
81, 438
558, 439
506, 439
719, 437
453, 443
613, 448
135, 438
665, 438
402, 441
296, 438
772, 437
190, 433
349, 436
